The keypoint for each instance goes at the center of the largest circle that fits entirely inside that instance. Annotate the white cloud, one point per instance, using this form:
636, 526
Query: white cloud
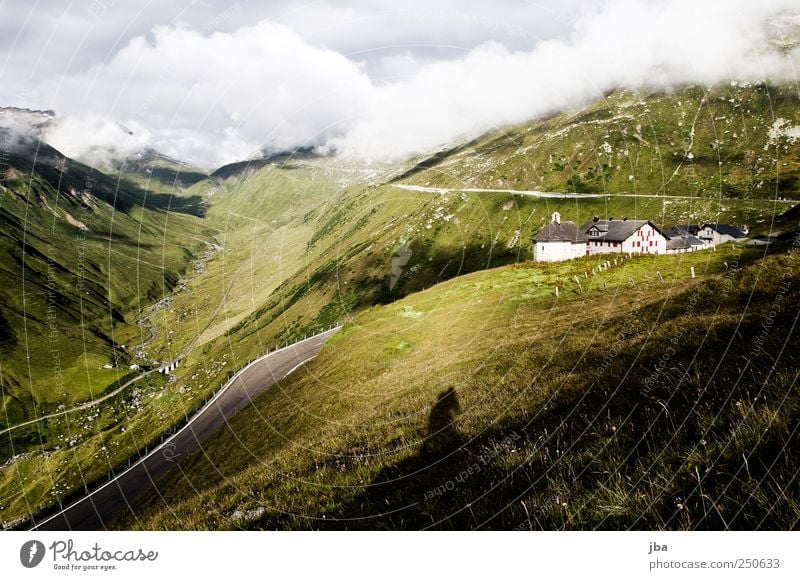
95, 139
217, 98
627, 44
212, 98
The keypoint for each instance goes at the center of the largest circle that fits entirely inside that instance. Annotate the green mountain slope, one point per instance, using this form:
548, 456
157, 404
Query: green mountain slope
53, 458
302, 242
81, 253
358, 233
159, 176
733, 141
486, 401
349, 441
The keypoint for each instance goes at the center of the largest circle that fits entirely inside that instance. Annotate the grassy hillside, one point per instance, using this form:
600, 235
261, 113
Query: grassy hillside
154, 174
733, 141
301, 242
82, 253
223, 277
330, 251
352, 239
373, 244
488, 402
82, 256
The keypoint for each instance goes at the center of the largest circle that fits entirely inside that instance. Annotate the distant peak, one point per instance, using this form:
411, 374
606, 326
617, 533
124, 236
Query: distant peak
24, 111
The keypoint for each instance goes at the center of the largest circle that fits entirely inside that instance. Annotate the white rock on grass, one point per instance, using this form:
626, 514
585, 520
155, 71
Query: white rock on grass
248, 515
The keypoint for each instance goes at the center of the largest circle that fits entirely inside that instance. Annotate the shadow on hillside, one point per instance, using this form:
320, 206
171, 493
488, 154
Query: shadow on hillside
442, 433
67, 175
178, 178
435, 487
430, 264
171, 202
638, 419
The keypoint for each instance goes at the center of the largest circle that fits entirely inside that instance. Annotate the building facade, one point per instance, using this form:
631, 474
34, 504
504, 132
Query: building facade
713, 234
558, 241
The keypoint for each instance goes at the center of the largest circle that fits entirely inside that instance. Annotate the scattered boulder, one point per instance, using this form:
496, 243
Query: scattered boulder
248, 515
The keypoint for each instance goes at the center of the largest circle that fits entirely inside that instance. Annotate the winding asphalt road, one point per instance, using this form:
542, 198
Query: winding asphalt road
98, 508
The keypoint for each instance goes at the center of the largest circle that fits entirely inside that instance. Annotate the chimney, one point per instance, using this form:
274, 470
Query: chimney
556, 218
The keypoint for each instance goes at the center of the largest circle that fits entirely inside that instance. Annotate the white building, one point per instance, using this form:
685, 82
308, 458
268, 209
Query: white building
683, 243
623, 236
559, 240
713, 234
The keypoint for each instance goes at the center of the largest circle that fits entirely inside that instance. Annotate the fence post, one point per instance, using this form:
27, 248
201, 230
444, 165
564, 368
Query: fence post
692, 269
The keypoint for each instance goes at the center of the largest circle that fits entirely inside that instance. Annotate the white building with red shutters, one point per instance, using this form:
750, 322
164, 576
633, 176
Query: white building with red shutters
622, 236
559, 241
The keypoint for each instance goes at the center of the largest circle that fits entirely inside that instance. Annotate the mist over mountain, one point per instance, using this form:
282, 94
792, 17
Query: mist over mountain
394, 193
215, 97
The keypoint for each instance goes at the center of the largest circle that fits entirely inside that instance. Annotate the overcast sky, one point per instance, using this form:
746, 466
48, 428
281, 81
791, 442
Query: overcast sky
213, 82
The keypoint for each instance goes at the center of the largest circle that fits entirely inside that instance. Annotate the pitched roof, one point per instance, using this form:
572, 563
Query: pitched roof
682, 230
683, 242
614, 230
726, 230
558, 232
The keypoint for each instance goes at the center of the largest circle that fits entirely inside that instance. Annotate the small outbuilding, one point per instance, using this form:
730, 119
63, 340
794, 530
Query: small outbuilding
713, 234
681, 244
557, 241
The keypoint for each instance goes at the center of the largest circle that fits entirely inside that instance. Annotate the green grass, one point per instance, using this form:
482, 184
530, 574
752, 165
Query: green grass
302, 243
69, 296
210, 295
639, 142
82, 254
485, 401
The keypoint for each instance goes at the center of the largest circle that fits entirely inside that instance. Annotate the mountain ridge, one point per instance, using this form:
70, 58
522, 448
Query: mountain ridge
298, 244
